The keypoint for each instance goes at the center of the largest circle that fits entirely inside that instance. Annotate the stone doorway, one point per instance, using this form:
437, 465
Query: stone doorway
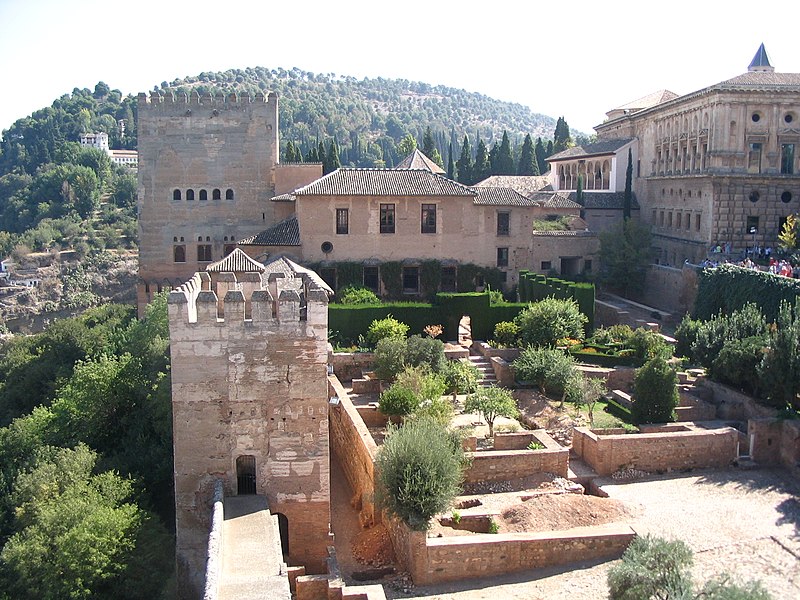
246, 475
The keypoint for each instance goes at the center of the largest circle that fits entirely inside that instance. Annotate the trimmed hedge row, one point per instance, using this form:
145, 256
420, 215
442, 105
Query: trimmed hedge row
729, 287
605, 360
535, 286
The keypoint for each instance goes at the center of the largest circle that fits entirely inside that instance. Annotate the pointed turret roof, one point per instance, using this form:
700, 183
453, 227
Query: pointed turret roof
236, 262
760, 61
418, 160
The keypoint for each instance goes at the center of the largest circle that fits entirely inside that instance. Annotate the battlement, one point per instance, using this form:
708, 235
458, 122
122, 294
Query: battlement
193, 98
251, 297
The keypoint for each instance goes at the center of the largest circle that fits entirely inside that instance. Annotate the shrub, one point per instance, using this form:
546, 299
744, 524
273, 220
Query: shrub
551, 369
425, 351
419, 470
712, 335
738, 361
460, 377
648, 344
652, 568
357, 295
390, 356
506, 334
398, 400
490, 403
545, 322
439, 410
779, 371
686, 335
656, 393
426, 385
388, 327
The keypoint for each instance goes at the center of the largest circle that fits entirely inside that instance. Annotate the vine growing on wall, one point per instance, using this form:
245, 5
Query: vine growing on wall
430, 276
391, 276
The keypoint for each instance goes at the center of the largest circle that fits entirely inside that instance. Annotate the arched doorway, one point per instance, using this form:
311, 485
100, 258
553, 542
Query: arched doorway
246, 474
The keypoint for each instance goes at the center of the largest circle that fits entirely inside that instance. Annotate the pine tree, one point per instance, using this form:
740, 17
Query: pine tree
527, 159
505, 159
627, 199
289, 155
561, 137
481, 169
429, 148
451, 167
541, 156
464, 164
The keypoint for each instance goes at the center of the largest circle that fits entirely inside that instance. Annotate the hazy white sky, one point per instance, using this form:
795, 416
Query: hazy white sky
577, 59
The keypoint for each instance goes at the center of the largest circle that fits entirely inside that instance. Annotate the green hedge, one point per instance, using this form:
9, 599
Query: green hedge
605, 360
729, 287
534, 287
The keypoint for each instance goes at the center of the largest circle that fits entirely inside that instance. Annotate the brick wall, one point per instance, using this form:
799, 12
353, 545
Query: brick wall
774, 441
351, 365
661, 449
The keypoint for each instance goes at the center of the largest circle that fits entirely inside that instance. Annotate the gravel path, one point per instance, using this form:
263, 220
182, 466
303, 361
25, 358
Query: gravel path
742, 522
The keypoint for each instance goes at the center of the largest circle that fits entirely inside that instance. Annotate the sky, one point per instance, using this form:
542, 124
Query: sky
574, 59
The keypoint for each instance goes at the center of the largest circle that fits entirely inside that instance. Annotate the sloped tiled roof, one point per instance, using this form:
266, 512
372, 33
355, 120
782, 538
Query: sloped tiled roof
597, 148
284, 233
499, 196
605, 200
288, 197
568, 233
524, 184
554, 200
236, 262
645, 102
383, 182
282, 265
760, 80
418, 160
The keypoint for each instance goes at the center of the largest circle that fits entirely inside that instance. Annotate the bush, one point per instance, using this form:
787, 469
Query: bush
419, 470
357, 295
425, 351
652, 568
490, 403
460, 377
390, 357
686, 335
712, 335
506, 334
647, 345
389, 327
549, 368
398, 400
738, 361
439, 410
547, 321
655, 393
426, 385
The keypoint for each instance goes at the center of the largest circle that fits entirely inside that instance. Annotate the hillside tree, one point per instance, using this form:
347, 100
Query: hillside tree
464, 163
527, 158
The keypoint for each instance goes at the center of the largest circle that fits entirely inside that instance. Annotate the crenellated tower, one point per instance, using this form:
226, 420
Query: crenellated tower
250, 403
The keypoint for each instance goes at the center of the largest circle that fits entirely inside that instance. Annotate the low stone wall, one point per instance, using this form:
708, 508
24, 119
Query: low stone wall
214, 556
511, 459
662, 448
507, 354
733, 405
436, 560
775, 442
353, 445
351, 365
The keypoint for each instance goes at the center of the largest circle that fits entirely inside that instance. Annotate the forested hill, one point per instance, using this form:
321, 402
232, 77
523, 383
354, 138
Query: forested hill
369, 117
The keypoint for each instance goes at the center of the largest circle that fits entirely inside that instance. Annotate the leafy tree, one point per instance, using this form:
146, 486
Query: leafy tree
552, 370
482, 168
527, 158
591, 390
685, 335
460, 377
398, 400
652, 568
490, 403
655, 392
546, 322
464, 164
561, 137
407, 145
419, 469
429, 148
541, 155
627, 199
625, 255
712, 335
425, 351
788, 235
124, 190
779, 370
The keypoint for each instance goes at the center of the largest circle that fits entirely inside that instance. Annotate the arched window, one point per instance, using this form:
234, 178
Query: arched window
229, 194
176, 194
190, 194
179, 254
216, 194
203, 195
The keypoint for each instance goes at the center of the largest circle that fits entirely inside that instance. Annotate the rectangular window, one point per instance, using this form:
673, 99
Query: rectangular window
410, 280
546, 265
754, 158
661, 219
342, 220
688, 221
587, 265
787, 159
503, 221
203, 252
502, 257
654, 216
428, 218
387, 218
448, 282
697, 222
678, 222
752, 225
669, 219
371, 279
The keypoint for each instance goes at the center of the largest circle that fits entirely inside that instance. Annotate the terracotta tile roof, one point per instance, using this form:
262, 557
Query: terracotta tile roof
418, 160
500, 196
383, 182
605, 200
646, 101
524, 184
597, 148
282, 265
236, 262
760, 80
553, 200
284, 233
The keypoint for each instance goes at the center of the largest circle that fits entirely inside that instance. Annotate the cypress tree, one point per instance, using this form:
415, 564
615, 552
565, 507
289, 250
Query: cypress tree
505, 159
321, 155
561, 137
429, 148
481, 169
464, 164
527, 160
494, 159
627, 199
311, 155
451, 167
549, 151
332, 163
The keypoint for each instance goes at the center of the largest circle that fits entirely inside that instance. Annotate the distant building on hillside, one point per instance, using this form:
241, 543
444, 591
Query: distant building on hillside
126, 158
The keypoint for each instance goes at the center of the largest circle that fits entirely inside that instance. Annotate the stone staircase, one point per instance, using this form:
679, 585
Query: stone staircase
484, 366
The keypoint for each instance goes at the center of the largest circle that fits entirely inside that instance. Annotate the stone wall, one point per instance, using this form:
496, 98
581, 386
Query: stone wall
351, 365
511, 459
734, 405
670, 289
355, 449
775, 442
663, 448
436, 560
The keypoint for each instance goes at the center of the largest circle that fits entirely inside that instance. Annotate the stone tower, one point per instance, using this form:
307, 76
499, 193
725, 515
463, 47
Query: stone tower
208, 167
250, 403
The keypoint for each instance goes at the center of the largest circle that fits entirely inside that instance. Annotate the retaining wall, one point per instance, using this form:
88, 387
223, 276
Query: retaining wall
775, 442
511, 458
662, 448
